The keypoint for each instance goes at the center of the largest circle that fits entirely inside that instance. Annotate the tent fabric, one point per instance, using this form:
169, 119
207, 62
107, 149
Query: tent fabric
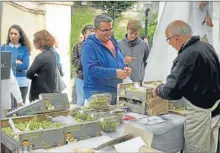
162, 55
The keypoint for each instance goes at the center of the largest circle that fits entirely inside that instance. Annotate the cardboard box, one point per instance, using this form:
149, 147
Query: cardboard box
140, 100
48, 103
52, 137
157, 106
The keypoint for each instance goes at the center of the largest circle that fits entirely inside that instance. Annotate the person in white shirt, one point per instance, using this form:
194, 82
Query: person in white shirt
8, 87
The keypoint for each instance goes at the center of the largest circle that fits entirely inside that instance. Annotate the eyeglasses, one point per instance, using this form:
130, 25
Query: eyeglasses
171, 37
106, 30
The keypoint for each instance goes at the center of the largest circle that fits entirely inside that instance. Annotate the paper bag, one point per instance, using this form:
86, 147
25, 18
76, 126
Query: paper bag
157, 106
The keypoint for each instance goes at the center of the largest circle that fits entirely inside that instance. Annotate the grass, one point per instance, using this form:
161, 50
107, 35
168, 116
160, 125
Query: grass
80, 18
119, 32
85, 15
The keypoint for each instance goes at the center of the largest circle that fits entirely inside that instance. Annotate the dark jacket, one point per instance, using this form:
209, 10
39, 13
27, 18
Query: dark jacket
42, 73
76, 59
59, 65
99, 66
195, 75
138, 49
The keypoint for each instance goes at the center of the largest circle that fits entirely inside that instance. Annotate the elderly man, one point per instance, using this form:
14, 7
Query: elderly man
135, 50
102, 61
76, 61
195, 75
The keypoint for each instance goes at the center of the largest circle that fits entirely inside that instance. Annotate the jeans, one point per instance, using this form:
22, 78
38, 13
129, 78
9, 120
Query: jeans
80, 92
74, 98
24, 91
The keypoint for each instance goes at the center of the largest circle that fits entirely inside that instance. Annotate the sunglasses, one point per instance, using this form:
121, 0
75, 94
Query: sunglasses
90, 27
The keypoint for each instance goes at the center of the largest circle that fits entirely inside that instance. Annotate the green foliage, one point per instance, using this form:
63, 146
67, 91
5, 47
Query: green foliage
151, 31
114, 8
119, 32
152, 25
151, 28
80, 17
85, 15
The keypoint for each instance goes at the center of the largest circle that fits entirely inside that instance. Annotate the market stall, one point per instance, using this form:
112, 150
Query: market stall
52, 125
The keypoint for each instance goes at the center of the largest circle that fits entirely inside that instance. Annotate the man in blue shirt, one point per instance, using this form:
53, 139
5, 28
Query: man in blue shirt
102, 61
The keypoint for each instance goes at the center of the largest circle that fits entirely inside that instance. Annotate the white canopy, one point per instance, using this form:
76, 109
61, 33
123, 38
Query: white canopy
162, 55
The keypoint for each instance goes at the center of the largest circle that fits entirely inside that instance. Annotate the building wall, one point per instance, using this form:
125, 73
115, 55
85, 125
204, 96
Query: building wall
29, 22
57, 20
58, 23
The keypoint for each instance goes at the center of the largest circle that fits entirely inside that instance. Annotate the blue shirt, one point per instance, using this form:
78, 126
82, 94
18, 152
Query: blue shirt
21, 53
99, 66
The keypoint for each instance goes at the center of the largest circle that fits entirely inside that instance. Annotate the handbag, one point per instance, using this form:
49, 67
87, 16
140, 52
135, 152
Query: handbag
59, 83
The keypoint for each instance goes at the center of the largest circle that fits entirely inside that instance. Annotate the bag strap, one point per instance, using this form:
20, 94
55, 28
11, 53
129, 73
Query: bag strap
56, 75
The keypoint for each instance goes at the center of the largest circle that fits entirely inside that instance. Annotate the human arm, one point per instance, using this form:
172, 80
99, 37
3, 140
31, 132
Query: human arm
90, 63
24, 64
14, 89
35, 67
179, 79
75, 56
146, 54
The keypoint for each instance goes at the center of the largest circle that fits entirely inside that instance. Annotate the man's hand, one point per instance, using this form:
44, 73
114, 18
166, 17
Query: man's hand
20, 104
121, 74
128, 71
19, 62
154, 92
127, 59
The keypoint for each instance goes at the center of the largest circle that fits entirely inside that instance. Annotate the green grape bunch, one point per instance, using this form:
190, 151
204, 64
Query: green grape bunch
84, 115
109, 124
34, 125
98, 103
8, 131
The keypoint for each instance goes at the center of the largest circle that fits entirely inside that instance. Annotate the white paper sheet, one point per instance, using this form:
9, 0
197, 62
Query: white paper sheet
132, 145
152, 120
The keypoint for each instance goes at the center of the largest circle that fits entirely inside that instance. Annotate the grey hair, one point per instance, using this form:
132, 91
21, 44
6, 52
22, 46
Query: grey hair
101, 18
180, 29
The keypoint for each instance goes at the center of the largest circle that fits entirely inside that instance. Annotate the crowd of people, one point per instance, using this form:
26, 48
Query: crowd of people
195, 74
42, 72
102, 62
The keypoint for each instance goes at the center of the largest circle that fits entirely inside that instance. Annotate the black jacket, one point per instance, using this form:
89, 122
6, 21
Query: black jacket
76, 59
42, 74
195, 75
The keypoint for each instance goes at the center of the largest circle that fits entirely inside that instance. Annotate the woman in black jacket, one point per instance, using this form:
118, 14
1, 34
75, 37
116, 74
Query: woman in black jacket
43, 69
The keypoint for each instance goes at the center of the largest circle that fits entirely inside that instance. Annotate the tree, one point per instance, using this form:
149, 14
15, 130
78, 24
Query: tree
114, 8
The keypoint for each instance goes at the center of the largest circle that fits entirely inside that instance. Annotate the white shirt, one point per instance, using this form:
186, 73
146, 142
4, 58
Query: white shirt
16, 46
8, 87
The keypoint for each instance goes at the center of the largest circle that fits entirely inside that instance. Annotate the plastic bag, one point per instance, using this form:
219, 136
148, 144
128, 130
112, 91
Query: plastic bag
127, 80
66, 120
11, 123
100, 101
